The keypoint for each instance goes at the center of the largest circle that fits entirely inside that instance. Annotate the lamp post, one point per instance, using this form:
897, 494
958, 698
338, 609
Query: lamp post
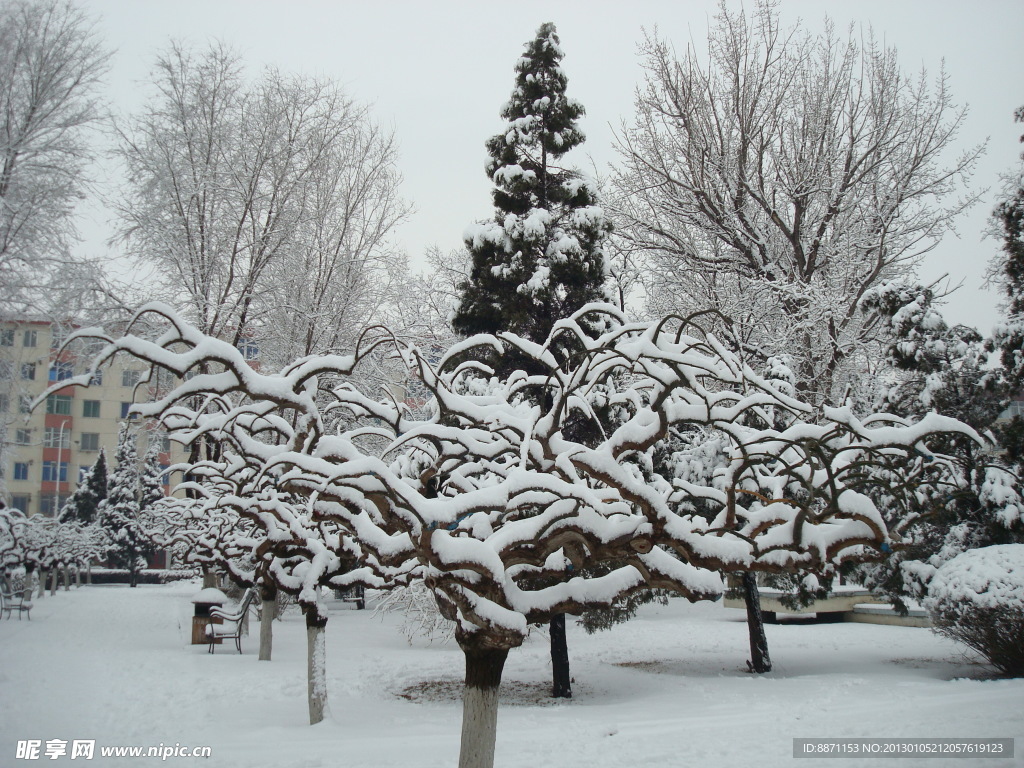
56, 486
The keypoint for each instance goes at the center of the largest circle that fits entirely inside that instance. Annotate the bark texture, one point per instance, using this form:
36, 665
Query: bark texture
561, 681
760, 661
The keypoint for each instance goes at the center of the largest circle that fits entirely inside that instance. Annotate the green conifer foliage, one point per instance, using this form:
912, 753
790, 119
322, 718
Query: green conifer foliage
83, 504
151, 489
1009, 215
540, 259
130, 546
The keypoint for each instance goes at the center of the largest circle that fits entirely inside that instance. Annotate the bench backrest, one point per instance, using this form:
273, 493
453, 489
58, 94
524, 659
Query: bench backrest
247, 598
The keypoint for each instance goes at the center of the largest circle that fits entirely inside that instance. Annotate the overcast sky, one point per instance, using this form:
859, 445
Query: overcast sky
438, 72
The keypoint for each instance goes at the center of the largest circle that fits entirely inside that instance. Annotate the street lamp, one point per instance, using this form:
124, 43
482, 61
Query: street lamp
56, 485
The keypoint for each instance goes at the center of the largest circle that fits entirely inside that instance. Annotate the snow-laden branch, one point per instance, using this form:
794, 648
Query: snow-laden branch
509, 492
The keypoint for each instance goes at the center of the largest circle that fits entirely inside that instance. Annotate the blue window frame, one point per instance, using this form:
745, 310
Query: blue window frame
51, 474
61, 371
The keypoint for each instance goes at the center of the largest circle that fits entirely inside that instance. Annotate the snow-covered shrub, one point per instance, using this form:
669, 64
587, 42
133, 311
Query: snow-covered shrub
977, 598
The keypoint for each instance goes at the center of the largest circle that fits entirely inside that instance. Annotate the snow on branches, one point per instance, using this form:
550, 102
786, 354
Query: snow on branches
498, 509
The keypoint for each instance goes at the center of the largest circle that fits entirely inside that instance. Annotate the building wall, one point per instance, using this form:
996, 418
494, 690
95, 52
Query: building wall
71, 427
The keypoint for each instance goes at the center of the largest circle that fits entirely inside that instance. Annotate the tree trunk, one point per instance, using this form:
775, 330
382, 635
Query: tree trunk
760, 661
88, 573
42, 582
209, 578
268, 596
480, 705
67, 578
561, 682
28, 586
54, 575
78, 576
316, 666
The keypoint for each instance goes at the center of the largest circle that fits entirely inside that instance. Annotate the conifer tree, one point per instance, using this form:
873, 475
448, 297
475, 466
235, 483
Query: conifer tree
540, 258
1009, 270
151, 488
119, 514
83, 504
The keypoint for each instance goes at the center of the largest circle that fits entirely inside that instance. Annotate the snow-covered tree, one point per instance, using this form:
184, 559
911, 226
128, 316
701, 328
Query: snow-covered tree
51, 67
341, 268
13, 524
83, 504
264, 205
781, 176
1007, 270
936, 368
503, 514
541, 258
129, 545
151, 486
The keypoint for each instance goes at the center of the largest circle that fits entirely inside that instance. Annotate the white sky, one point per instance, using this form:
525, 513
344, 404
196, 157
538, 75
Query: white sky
438, 72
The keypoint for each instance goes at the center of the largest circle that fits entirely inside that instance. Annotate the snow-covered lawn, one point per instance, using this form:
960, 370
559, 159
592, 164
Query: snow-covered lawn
667, 689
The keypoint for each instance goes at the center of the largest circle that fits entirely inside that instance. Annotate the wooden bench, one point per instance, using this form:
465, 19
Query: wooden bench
10, 602
231, 629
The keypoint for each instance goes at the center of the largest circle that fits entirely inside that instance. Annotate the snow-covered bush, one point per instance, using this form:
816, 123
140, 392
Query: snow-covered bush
978, 599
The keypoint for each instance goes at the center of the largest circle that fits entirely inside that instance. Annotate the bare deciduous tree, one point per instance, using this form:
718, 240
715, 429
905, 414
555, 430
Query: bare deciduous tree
341, 266
51, 62
784, 178
253, 198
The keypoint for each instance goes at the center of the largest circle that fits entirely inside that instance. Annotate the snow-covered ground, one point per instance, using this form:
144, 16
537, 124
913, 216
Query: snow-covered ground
667, 689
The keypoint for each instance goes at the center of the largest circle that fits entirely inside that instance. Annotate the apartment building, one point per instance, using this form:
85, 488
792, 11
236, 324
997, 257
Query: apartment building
43, 452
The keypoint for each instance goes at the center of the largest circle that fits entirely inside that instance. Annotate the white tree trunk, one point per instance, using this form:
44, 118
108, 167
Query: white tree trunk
480, 707
267, 615
54, 575
88, 573
209, 578
78, 576
28, 588
42, 583
316, 657
67, 578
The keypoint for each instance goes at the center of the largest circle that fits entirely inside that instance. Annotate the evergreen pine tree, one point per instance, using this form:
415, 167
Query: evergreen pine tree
119, 513
151, 488
945, 370
83, 504
1009, 215
540, 259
